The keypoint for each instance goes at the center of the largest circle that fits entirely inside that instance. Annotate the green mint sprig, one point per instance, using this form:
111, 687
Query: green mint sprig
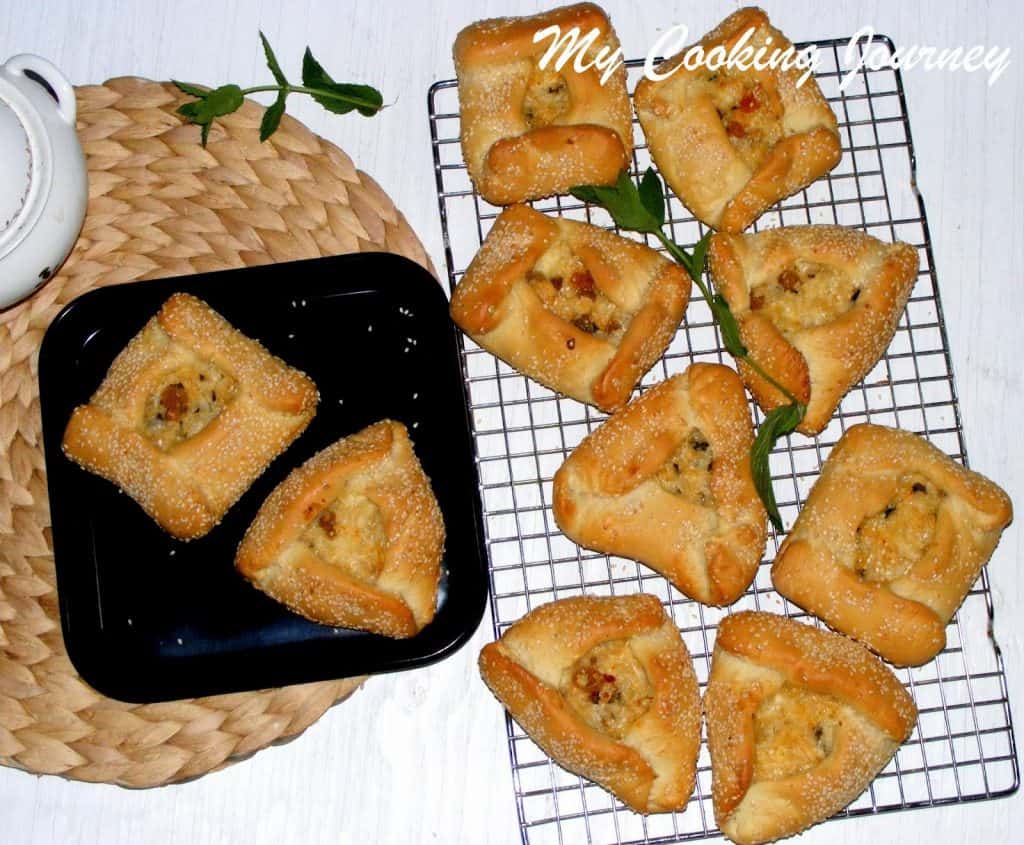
336, 97
642, 209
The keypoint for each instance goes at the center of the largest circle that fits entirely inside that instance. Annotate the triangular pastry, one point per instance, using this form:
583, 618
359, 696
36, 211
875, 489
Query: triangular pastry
816, 306
890, 541
666, 481
188, 416
732, 142
529, 132
605, 686
576, 307
799, 723
353, 537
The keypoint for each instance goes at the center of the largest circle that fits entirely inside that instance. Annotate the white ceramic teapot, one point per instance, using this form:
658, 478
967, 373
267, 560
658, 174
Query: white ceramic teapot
43, 183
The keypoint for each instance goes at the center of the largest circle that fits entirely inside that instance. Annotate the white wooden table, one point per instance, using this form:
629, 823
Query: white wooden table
422, 757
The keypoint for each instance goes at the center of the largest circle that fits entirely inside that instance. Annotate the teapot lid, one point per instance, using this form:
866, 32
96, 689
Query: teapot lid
15, 168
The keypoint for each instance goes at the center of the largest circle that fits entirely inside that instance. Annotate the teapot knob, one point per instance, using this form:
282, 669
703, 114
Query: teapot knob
27, 64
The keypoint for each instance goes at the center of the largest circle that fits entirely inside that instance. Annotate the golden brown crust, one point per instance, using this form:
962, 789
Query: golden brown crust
652, 765
509, 158
496, 305
376, 465
855, 709
607, 495
188, 487
818, 362
689, 134
904, 617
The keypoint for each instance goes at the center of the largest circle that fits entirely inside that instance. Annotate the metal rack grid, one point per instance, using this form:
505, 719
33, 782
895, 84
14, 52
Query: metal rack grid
963, 746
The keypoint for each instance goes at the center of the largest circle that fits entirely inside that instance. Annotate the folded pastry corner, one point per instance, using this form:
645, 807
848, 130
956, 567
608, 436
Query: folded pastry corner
732, 142
799, 723
891, 539
529, 132
817, 306
666, 481
605, 686
576, 307
353, 537
189, 414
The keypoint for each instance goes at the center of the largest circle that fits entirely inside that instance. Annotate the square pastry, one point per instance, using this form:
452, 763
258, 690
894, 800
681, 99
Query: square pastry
605, 686
799, 723
190, 413
733, 142
529, 133
353, 537
817, 306
578, 308
890, 541
666, 481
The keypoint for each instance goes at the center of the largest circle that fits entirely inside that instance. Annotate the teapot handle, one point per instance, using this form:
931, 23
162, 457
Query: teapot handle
67, 105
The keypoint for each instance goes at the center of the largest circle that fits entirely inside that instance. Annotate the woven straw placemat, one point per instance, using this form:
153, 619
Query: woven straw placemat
159, 205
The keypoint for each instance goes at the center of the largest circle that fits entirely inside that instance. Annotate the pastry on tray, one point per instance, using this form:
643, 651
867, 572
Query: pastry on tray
816, 306
529, 132
605, 686
666, 481
799, 723
353, 537
190, 413
890, 541
578, 308
732, 142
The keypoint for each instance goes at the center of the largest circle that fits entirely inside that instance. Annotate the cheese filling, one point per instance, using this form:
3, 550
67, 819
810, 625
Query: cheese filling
547, 97
186, 401
891, 541
608, 688
688, 472
804, 295
349, 533
794, 731
750, 113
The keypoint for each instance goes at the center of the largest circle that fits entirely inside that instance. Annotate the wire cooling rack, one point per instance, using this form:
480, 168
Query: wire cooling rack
963, 746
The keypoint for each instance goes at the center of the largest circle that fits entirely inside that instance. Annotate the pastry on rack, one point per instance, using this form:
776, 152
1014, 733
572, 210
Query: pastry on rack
190, 413
799, 723
529, 132
891, 539
732, 142
605, 686
578, 308
816, 306
666, 481
353, 537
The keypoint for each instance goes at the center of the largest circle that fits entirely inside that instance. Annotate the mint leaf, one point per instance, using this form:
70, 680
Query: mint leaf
272, 63
221, 101
192, 90
777, 423
622, 202
652, 196
700, 251
338, 97
272, 116
727, 324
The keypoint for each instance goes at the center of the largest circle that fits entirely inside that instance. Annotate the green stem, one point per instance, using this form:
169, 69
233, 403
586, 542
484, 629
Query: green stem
302, 89
684, 258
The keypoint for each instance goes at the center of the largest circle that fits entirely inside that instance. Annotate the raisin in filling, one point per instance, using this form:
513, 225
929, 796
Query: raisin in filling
547, 97
750, 113
891, 541
349, 533
186, 401
608, 688
688, 472
804, 295
794, 731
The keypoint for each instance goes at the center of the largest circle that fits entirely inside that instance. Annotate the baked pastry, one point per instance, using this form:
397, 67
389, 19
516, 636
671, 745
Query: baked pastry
190, 413
666, 481
816, 306
575, 307
529, 133
733, 142
605, 686
353, 537
799, 723
890, 541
